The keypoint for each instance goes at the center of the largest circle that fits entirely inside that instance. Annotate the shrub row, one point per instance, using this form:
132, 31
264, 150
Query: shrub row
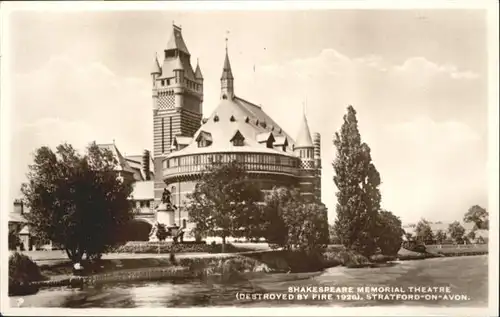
167, 247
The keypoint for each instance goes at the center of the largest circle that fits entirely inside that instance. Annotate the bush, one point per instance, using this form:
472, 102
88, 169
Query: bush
161, 232
22, 272
184, 247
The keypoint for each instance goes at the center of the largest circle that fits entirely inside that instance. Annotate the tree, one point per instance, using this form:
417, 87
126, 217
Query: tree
477, 215
424, 233
77, 201
471, 236
14, 240
440, 236
161, 231
390, 233
334, 239
225, 202
294, 224
274, 226
358, 195
456, 231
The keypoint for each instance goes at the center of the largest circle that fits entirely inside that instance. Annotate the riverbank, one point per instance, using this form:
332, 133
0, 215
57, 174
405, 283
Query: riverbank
230, 266
467, 275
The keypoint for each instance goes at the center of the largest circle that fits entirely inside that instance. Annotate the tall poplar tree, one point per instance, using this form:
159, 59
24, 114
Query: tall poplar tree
358, 196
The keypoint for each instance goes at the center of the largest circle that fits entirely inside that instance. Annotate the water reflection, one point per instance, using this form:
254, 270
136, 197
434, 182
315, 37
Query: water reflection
467, 275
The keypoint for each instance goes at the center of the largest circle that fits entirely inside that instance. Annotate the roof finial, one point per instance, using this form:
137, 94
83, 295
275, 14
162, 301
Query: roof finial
227, 34
113, 141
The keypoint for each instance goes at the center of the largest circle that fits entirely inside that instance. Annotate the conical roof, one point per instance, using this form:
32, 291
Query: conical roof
226, 71
197, 73
156, 67
304, 138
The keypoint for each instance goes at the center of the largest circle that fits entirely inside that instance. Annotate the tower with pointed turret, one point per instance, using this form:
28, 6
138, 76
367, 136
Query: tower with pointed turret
305, 150
227, 79
177, 101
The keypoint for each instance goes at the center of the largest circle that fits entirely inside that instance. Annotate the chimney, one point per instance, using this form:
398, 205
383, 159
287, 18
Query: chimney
146, 159
18, 206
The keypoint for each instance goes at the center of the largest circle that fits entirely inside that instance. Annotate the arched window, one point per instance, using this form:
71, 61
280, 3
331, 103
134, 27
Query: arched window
184, 223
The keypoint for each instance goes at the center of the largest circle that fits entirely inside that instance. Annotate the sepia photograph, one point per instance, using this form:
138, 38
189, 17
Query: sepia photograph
229, 157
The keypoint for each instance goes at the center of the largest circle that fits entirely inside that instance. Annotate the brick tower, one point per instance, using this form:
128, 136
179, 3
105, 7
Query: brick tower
177, 101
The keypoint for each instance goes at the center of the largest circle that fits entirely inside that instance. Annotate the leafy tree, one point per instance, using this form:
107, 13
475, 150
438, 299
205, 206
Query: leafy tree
440, 237
295, 224
456, 231
161, 231
223, 201
358, 195
477, 215
77, 201
424, 233
390, 233
274, 226
471, 236
334, 239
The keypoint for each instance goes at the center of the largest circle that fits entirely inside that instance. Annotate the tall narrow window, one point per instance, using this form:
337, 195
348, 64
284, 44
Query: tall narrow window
170, 127
162, 135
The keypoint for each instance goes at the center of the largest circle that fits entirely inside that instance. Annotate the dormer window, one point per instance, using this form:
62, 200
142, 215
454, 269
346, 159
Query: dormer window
238, 139
263, 124
257, 122
204, 120
232, 119
216, 118
163, 82
247, 120
204, 139
168, 82
224, 97
267, 138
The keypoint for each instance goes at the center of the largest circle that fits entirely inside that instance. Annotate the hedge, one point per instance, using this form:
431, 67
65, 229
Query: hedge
166, 247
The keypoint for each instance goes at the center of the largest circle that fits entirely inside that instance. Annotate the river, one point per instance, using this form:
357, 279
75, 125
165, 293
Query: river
466, 276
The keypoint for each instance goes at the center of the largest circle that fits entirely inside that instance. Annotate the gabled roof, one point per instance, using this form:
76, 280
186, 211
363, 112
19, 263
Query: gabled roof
25, 230
204, 135
122, 165
176, 40
237, 136
265, 137
304, 137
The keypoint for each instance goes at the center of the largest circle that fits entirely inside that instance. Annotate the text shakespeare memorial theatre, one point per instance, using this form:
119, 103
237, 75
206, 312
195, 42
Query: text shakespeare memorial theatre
185, 143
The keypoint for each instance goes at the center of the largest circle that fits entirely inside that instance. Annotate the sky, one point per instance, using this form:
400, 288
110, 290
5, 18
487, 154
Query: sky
417, 79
